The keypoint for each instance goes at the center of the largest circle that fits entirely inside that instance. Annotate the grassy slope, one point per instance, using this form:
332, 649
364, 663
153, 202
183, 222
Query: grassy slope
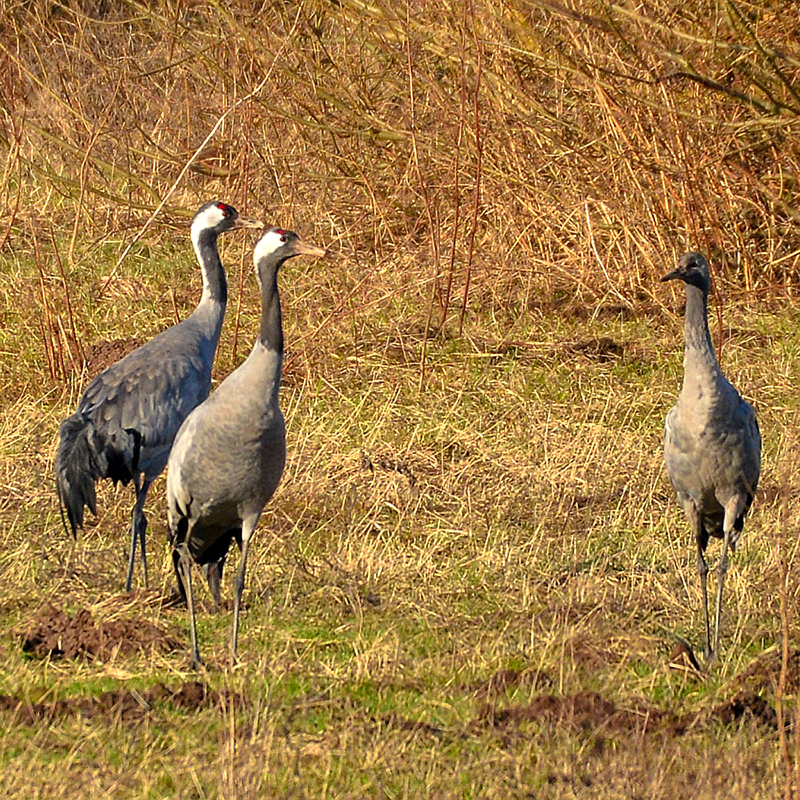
450, 542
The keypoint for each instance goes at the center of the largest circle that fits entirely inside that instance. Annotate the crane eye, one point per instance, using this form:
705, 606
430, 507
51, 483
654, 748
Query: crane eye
224, 209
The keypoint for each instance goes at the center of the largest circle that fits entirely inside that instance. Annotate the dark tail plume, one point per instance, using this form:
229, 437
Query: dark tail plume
78, 466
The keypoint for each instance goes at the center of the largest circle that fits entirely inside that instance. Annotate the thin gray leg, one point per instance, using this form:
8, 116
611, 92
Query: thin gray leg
247, 531
702, 571
214, 578
722, 571
185, 563
138, 529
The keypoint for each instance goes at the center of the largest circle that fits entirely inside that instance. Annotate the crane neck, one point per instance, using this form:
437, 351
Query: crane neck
215, 285
271, 333
697, 336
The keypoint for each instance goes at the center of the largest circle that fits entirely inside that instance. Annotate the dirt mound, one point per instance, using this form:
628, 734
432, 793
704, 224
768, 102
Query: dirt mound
102, 354
599, 349
53, 633
682, 659
586, 711
765, 672
504, 680
591, 712
746, 704
119, 703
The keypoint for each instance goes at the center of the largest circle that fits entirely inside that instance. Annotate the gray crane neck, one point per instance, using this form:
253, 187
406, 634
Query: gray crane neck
697, 336
271, 334
215, 285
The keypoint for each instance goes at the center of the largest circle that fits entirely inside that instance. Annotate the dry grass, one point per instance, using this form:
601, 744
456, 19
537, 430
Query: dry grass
474, 574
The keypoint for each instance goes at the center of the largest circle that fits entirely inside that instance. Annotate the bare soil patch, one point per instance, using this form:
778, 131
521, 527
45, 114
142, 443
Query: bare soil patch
120, 704
748, 705
765, 671
102, 354
587, 711
602, 349
590, 712
684, 660
54, 633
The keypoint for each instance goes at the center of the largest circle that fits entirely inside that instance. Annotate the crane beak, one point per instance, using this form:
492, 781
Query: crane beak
247, 222
671, 276
304, 249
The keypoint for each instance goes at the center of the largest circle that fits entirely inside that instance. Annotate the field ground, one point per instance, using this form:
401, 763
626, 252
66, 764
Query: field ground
474, 580
476, 589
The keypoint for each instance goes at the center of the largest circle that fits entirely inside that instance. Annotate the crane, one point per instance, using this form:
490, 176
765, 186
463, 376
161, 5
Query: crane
712, 444
229, 454
129, 414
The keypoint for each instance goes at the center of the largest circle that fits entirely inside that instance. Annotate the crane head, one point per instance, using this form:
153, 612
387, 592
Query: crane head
692, 269
219, 217
282, 244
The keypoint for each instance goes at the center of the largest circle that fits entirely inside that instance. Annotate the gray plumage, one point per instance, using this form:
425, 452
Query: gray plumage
229, 455
712, 444
129, 414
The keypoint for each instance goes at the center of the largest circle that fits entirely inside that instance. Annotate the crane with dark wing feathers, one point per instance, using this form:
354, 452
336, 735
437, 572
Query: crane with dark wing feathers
229, 455
712, 444
129, 414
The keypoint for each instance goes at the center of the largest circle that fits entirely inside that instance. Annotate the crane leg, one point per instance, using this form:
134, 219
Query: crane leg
702, 571
722, 571
732, 525
185, 565
248, 526
138, 529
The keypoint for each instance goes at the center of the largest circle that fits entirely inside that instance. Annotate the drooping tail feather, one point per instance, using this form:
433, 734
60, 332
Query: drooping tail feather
78, 466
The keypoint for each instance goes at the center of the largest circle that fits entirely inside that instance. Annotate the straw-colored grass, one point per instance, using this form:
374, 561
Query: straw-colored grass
474, 574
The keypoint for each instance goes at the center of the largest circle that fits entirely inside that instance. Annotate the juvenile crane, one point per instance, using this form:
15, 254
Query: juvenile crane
712, 444
229, 455
129, 414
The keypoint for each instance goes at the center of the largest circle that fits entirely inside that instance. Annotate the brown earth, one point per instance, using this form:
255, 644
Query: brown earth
586, 711
763, 674
120, 703
102, 354
55, 634
591, 712
602, 348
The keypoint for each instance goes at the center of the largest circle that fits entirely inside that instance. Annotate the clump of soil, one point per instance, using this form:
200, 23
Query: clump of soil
53, 633
683, 659
765, 672
504, 680
599, 349
102, 354
587, 711
119, 703
746, 704
591, 712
